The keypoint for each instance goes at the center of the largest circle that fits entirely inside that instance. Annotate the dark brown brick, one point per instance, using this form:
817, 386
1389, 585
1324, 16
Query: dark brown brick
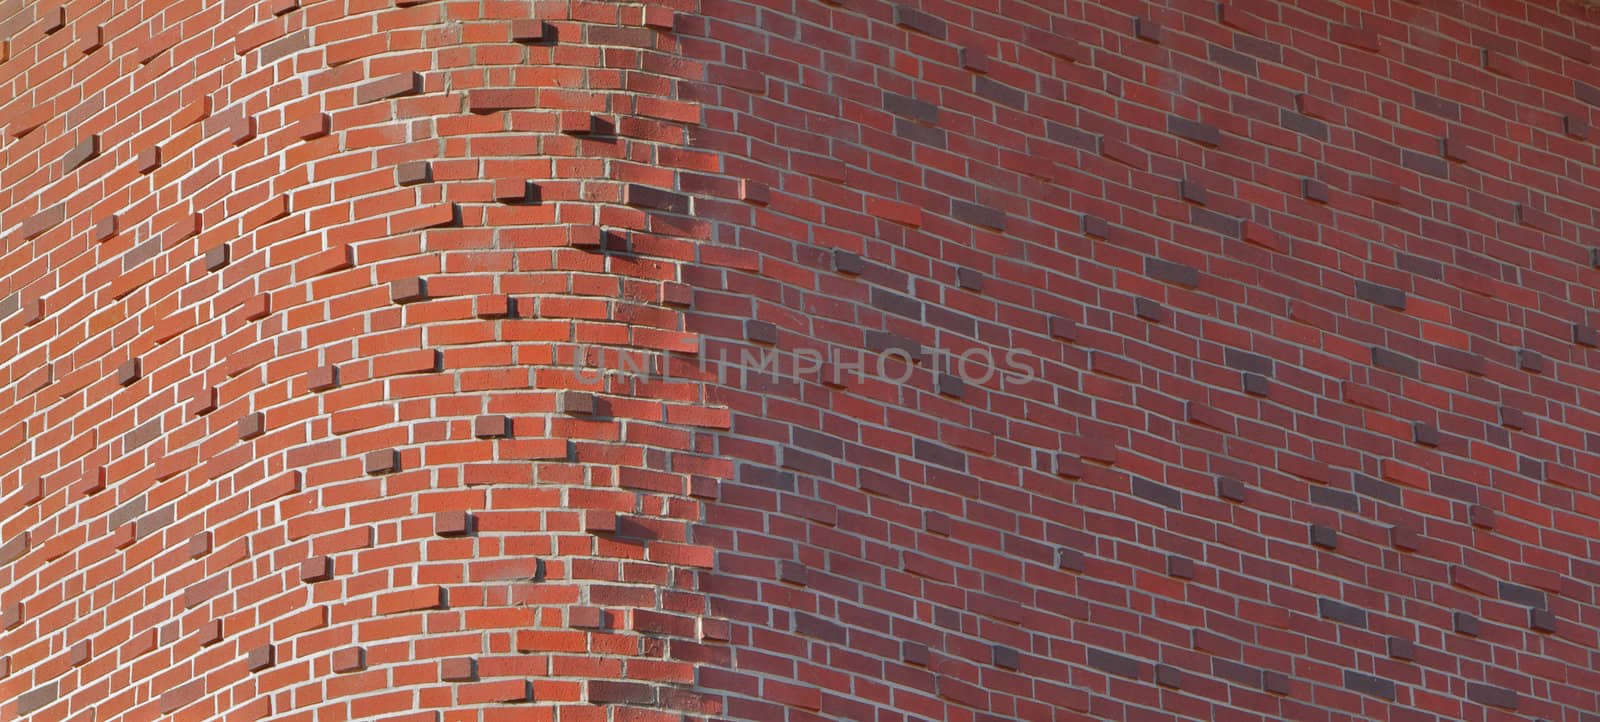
36, 699
763, 332
1492, 696
408, 290
1392, 361
322, 378
411, 173
86, 150
491, 426
392, 86
1195, 130
1381, 295
452, 523
911, 18
35, 225
1176, 273
1465, 623
643, 196
1325, 537
1340, 612
217, 257
1401, 648
1113, 663
575, 402
260, 658
316, 569
383, 461
1369, 685
252, 425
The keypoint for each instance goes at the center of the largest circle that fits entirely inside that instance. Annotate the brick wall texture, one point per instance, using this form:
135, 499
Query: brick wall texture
364, 360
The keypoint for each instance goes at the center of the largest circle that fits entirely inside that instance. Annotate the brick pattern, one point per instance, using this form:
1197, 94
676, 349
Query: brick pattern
289, 397
297, 290
1311, 296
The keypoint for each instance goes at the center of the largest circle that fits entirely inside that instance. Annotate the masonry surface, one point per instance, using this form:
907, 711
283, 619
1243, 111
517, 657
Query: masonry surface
387, 360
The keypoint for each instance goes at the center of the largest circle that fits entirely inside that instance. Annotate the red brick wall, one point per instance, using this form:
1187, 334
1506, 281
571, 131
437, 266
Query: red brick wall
361, 361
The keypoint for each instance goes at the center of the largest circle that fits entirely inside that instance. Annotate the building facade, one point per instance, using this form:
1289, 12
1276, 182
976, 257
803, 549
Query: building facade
439, 360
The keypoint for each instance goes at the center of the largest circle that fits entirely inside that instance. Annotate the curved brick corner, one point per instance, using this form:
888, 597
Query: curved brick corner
290, 298
393, 362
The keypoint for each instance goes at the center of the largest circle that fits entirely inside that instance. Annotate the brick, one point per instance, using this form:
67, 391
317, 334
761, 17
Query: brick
86, 150
1175, 273
384, 461
252, 425
913, 19
323, 378
260, 658
847, 263
128, 372
1147, 30
1340, 612
1180, 567
1492, 696
1401, 648
316, 569
1115, 664
36, 699
12, 615
491, 426
413, 172
35, 225
491, 100
349, 659
1149, 310
969, 279
453, 523
642, 196
526, 30
408, 290
458, 669
1231, 489
576, 122
1325, 537
1542, 620
575, 402
1381, 295
398, 85
104, 229
1369, 685
217, 257
1193, 130
1464, 623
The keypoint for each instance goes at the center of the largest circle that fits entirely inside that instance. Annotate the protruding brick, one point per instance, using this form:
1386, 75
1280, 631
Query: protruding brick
458, 669
1481, 516
599, 521
527, 30
1401, 648
413, 172
763, 332
313, 125
382, 461
80, 653
1180, 567
349, 659
323, 378
198, 545
252, 425
659, 17
585, 236
11, 615
752, 192
104, 229
491, 426
1255, 384
148, 160
316, 569
86, 150
14, 548
575, 402
452, 523
1231, 489
392, 86
128, 372
1169, 676
202, 401
218, 257
260, 658
576, 122
1465, 623
516, 190
1325, 537
586, 617
408, 290
1542, 620
913, 19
